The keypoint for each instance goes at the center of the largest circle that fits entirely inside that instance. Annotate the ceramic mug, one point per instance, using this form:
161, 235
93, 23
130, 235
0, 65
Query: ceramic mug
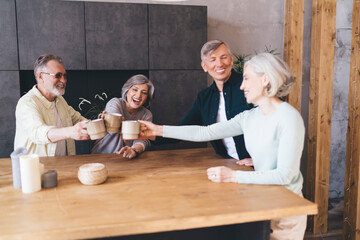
130, 130
96, 129
113, 122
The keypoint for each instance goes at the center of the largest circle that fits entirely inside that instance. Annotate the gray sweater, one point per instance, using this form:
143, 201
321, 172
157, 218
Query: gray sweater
112, 142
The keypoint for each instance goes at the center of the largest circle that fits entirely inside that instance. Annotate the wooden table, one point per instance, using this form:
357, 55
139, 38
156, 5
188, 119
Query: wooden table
159, 191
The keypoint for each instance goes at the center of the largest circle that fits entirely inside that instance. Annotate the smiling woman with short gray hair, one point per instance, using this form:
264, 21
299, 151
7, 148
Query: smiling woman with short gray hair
136, 95
138, 80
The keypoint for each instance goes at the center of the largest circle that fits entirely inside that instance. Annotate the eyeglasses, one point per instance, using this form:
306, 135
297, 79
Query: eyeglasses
58, 75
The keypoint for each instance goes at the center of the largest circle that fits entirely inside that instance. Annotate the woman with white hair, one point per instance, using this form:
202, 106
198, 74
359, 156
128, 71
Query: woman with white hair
136, 95
273, 132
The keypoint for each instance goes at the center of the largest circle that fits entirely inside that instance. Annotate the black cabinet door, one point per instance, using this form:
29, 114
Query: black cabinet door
47, 26
175, 93
8, 41
116, 36
9, 96
176, 35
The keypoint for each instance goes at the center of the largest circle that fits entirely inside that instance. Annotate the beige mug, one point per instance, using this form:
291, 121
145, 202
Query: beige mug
96, 129
130, 130
113, 122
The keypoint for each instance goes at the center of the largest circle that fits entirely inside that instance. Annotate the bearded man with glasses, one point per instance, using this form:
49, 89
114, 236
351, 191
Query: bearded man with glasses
45, 124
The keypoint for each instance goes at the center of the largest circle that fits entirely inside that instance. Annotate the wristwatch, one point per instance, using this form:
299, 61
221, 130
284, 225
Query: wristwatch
137, 153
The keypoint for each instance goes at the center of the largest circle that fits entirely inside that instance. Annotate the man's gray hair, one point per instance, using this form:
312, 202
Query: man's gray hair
211, 46
278, 72
139, 79
41, 62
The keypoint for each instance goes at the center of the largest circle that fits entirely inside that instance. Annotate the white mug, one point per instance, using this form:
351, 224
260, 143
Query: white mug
130, 130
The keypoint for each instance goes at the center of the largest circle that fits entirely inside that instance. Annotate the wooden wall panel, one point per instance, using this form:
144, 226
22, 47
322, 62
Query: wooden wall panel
293, 46
351, 226
320, 107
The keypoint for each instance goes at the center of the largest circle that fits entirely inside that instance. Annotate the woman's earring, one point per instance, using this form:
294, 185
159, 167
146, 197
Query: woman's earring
268, 87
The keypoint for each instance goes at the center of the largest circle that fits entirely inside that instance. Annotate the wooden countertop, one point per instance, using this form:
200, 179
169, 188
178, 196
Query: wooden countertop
158, 191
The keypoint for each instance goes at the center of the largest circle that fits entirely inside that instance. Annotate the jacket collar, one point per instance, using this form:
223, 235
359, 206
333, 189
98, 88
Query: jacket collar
231, 81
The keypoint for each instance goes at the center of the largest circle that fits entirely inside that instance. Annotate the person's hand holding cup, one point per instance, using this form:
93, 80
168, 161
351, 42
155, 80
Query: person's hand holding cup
149, 130
79, 131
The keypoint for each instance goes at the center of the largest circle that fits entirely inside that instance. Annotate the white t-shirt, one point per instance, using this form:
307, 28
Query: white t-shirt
60, 145
221, 117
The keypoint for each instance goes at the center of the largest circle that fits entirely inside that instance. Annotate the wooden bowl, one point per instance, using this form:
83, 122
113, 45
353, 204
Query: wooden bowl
92, 173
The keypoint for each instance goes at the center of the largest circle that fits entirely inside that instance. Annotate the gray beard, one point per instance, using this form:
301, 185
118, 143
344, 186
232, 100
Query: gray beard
57, 92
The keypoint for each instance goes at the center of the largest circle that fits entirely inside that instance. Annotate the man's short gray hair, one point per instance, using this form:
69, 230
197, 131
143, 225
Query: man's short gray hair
278, 72
211, 46
135, 80
41, 62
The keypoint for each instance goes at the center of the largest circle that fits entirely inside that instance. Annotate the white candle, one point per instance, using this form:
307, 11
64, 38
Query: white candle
15, 163
42, 169
30, 173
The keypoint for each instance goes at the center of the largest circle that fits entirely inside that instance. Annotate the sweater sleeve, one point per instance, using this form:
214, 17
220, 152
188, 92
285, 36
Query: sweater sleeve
220, 130
291, 142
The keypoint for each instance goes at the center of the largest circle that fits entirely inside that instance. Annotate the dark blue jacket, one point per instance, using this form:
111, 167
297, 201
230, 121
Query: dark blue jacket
205, 110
